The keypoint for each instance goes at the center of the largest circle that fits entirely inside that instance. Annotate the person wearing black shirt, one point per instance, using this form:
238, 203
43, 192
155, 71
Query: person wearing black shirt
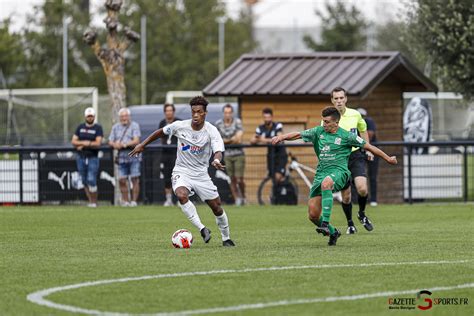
168, 154
372, 165
276, 156
87, 140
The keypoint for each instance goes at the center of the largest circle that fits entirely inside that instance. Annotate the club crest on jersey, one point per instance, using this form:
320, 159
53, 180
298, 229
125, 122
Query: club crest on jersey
337, 141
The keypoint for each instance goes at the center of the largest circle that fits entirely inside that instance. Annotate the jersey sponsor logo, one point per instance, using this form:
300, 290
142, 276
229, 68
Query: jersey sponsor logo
196, 150
326, 148
337, 141
359, 139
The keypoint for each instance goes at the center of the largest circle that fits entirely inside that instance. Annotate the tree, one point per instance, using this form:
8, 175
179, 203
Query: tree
42, 42
182, 45
393, 36
344, 29
11, 55
112, 58
445, 31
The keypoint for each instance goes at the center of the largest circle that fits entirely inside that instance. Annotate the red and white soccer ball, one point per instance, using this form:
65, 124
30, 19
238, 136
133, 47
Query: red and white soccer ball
182, 238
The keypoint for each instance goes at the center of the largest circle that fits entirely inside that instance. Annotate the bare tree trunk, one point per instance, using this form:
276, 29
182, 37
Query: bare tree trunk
113, 62
112, 56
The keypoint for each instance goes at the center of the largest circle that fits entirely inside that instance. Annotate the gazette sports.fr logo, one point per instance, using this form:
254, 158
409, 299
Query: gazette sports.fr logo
196, 150
424, 301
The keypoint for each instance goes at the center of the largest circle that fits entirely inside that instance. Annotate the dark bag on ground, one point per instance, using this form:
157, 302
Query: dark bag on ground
285, 193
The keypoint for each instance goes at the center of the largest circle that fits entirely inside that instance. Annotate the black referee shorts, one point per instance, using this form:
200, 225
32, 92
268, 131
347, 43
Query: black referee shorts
357, 164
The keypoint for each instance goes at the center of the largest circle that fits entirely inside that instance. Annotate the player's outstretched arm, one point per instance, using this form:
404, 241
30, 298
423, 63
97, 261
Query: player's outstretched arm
217, 162
141, 147
378, 152
290, 136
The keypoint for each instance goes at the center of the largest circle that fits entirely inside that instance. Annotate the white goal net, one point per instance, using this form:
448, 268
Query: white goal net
43, 116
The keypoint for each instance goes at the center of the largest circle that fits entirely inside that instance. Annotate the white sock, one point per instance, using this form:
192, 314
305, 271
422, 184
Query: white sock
191, 213
223, 225
169, 197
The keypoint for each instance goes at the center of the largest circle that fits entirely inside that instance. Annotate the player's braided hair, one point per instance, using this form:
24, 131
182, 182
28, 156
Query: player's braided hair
332, 112
198, 100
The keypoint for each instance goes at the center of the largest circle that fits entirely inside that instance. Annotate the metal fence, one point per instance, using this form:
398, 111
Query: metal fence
436, 171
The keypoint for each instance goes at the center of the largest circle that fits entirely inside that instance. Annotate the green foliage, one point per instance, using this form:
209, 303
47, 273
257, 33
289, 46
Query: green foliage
182, 46
343, 29
11, 55
445, 32
43, 45
50, 246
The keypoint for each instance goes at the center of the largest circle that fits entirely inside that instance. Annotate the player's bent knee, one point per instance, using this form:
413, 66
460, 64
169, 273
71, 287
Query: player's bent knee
215, 206
182, 195
327, 184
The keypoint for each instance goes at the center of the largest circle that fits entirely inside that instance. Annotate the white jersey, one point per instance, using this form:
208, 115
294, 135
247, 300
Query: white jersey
194, 147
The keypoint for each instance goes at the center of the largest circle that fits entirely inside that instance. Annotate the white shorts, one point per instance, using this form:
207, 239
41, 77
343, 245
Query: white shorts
202, 186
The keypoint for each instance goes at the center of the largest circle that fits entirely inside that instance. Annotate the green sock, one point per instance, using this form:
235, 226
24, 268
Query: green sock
327, 205
332, 229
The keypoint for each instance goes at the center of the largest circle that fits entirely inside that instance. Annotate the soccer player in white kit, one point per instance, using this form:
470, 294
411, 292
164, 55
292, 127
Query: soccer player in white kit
197, 140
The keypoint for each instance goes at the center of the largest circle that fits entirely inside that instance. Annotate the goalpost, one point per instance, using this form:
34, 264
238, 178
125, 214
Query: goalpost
43, 116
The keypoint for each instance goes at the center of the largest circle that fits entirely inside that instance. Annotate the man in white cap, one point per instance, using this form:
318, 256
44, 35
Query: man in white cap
87, 140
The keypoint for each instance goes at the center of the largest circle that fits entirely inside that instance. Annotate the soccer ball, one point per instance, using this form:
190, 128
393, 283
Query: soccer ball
182, 238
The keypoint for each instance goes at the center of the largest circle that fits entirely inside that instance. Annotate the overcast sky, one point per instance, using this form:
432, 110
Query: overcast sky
283, 13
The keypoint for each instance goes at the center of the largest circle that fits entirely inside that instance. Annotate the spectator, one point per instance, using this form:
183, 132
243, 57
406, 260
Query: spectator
231, 131
372, 165
124, 136
168, 154
276, 156
87, 139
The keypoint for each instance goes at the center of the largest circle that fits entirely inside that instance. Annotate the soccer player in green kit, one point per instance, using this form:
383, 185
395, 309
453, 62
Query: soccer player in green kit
332, 145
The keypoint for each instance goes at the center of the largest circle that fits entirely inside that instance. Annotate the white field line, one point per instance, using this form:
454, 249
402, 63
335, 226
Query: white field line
39, 296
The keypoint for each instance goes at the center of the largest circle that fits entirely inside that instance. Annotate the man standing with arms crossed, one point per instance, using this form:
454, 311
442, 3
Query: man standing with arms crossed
87, 140
231, 131
352, 121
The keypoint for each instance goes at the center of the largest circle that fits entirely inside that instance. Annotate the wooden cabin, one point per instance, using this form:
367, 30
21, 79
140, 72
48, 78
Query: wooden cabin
297, 87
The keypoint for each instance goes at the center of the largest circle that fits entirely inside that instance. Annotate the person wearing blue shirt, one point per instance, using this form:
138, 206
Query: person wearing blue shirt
87, 140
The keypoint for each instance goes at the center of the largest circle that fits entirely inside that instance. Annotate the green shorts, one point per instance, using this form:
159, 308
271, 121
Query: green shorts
340, 179
235, 166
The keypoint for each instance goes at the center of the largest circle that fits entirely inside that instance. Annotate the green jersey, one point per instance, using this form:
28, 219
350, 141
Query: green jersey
333, 150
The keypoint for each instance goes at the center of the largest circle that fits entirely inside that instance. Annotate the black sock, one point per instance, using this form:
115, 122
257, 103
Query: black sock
362, 203
347, 208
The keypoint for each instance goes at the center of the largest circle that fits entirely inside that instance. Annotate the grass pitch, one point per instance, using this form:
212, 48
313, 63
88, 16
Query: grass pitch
45, 247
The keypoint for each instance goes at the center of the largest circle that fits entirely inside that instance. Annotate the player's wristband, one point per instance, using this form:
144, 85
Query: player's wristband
216, 161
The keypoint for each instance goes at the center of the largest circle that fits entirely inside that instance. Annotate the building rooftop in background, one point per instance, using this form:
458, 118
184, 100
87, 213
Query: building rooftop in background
314, 74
